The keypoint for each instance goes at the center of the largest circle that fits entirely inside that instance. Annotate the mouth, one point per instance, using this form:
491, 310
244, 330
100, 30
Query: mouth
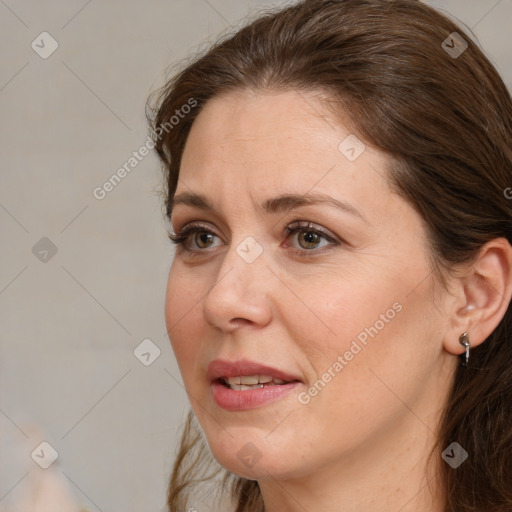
244, 372
248, 382
243, 384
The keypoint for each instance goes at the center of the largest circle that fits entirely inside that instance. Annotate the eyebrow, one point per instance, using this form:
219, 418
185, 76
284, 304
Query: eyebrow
279, 204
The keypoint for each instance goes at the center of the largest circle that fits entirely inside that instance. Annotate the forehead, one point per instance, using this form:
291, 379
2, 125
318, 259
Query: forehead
245, 126
265, 144
273, 122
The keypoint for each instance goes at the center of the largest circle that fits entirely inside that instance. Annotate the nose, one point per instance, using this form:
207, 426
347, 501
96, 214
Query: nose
241, 293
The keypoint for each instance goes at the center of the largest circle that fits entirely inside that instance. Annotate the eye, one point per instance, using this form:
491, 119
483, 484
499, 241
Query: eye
309, 237
194, 238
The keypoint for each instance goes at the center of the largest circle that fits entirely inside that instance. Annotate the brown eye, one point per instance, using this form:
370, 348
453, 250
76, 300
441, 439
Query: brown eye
203, 239
195, 239
308, 239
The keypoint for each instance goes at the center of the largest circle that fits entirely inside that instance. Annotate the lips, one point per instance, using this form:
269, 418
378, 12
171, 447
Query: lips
273, 384
222, 369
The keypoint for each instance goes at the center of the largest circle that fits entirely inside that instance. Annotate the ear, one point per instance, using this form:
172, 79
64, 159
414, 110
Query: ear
482, 296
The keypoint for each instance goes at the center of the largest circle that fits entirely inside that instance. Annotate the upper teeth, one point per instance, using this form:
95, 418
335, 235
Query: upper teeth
248, 380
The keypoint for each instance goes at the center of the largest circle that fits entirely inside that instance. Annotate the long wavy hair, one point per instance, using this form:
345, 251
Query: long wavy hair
440, 109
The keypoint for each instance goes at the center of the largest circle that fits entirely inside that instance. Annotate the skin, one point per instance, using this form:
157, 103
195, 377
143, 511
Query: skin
362, 442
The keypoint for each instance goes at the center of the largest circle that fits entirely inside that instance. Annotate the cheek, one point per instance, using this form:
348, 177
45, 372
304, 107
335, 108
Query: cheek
374, 323
183, 313
384, 344
339, 309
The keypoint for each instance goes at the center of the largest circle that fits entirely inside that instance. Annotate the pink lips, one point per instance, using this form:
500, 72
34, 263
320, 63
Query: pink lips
234, 400
219, 368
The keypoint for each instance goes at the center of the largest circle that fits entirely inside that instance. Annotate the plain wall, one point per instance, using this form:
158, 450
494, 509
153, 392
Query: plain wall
69, 326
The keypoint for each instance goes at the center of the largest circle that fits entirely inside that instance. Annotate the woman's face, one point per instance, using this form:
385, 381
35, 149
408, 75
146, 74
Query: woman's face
304, 262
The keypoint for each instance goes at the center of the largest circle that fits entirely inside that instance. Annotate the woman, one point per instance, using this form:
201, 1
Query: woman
339, 300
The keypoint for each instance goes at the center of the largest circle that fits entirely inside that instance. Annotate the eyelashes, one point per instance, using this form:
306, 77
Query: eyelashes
314, 235
197, 238
184, 235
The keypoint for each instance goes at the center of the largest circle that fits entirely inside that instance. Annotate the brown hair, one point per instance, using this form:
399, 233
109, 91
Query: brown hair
446, 120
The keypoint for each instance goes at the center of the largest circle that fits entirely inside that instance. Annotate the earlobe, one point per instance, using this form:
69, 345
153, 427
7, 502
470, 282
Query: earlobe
482, 297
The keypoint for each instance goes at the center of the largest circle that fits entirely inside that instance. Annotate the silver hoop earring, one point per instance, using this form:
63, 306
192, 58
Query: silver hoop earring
464, 341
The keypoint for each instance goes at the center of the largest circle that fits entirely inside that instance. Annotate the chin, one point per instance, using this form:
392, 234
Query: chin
252, 457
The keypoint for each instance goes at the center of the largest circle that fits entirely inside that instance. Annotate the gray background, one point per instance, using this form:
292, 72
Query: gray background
69, 326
